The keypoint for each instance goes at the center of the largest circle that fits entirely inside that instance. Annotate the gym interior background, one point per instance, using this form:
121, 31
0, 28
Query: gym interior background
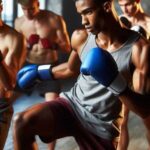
67, 9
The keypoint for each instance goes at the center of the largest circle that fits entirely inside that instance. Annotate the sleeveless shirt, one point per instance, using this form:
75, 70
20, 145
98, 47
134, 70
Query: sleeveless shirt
95, 106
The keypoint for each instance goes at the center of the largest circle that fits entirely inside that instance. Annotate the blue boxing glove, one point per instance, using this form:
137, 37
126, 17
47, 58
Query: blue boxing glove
29, 75
101, 66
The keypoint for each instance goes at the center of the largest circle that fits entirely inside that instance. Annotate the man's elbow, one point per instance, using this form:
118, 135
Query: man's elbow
68, 49
10, 84
9, 87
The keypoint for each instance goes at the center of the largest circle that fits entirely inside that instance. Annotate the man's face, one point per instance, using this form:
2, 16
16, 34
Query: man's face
92, 16
30, 9
128, 7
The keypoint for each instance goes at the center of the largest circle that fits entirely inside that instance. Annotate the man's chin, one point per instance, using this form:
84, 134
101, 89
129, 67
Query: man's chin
90, 31
129, 15
29, 17
94, 32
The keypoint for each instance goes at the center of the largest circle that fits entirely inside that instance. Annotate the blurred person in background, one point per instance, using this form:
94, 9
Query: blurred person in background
133, 17
12, 57
46, 35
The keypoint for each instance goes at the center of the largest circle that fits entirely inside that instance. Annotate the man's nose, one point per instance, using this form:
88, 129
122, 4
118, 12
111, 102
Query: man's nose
84, 20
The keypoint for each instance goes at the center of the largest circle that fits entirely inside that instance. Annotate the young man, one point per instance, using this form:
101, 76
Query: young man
12, 56
90, 111
46, 35
133, 17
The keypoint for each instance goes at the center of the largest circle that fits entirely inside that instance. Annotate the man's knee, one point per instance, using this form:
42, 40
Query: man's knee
17, 120
20, 123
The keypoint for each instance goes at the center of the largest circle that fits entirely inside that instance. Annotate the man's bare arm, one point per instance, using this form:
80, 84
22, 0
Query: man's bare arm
68, 69
139, 101
72, 67
13, 61
141, 74
62, 35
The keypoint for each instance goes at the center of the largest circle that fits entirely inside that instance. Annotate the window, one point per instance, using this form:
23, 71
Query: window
7, 13
11, 10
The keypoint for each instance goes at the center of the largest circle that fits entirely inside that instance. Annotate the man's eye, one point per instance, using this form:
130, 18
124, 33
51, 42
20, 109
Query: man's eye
89, 12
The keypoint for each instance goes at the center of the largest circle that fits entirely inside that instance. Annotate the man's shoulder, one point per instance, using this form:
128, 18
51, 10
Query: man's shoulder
141, 53
12, 34
78, 38
140, 45
12, 39
49, 13
54, 17
20, 19
147, 20
147, 17
18, 22
80, 33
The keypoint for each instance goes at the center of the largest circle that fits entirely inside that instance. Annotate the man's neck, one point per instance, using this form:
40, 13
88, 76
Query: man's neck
113, 38
34, 17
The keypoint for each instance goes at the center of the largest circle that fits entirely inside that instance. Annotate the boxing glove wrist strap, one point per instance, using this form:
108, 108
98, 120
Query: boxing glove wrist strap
45, 72
118, 85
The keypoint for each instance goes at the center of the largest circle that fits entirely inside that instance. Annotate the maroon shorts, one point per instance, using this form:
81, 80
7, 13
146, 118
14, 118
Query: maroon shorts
66, 123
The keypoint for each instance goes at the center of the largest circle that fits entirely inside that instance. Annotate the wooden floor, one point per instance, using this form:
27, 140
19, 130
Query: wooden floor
136, 129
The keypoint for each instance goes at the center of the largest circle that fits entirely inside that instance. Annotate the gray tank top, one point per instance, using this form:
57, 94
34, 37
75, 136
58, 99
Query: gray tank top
96, 107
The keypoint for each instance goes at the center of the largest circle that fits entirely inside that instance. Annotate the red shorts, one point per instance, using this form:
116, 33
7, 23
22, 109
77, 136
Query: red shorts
66, 123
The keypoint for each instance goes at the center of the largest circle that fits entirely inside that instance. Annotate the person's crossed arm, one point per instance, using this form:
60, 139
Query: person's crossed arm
12, 61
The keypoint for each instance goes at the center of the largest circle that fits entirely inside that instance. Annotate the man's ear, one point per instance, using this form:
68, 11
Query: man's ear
107, 6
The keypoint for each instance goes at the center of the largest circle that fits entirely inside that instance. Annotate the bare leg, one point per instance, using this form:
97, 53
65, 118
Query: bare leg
124, 135
37, 120
28, 138
50, 97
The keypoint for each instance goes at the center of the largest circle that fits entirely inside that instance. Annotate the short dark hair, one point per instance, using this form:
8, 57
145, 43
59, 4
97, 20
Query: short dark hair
97, 1
24, 2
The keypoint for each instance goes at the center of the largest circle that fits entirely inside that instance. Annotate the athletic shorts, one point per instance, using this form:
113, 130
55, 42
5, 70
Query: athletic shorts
66, 123
5, 109
5, 104
43, 86
6, 112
